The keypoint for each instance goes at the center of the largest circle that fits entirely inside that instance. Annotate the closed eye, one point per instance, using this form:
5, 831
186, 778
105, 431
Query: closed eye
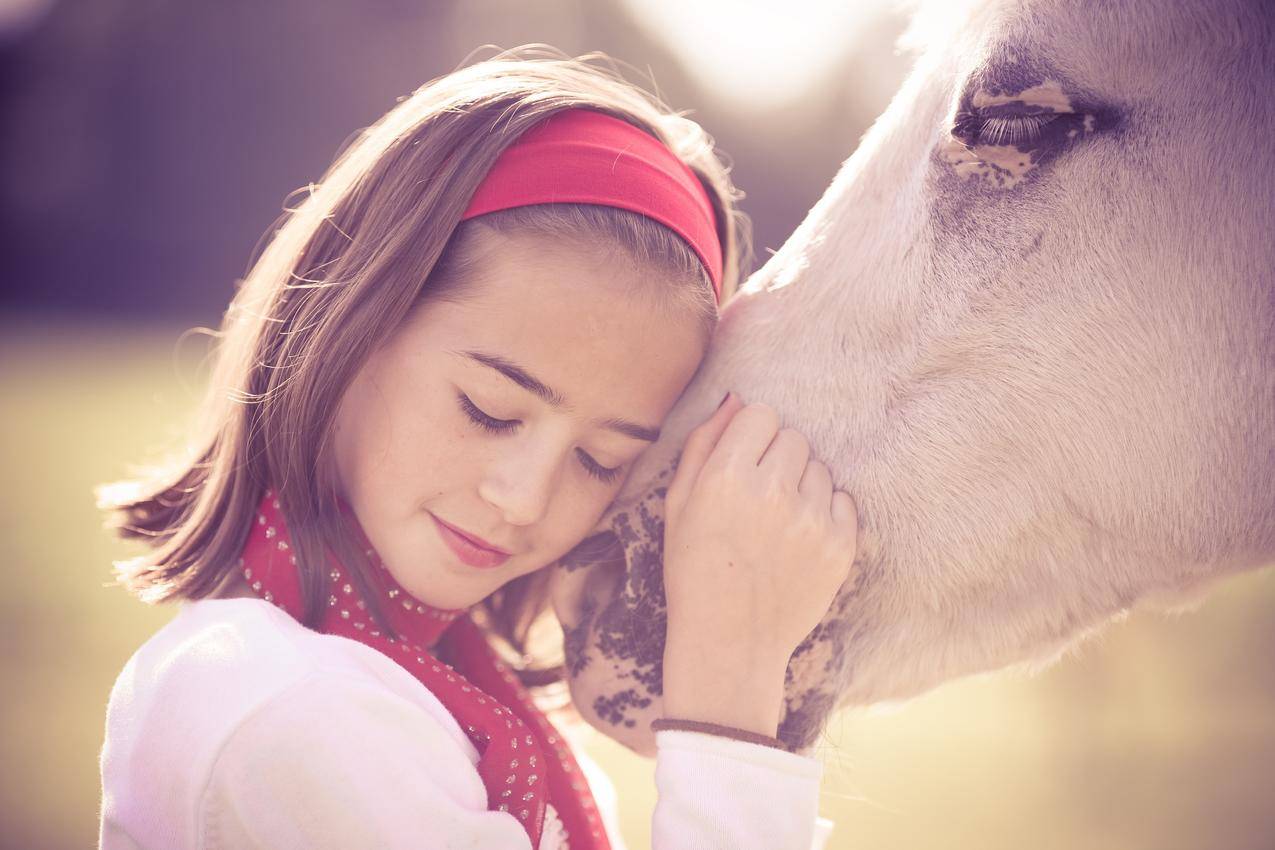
1010, 129
1042, 119
492, 425
487, 423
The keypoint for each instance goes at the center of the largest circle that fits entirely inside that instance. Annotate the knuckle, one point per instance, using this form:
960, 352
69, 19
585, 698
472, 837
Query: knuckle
763, 413
811, 515
698, 434
718, 472
818, 471
794, 436
773, 484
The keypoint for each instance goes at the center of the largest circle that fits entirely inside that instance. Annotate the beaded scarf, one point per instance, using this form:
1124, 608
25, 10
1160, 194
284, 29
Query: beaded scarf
524, 762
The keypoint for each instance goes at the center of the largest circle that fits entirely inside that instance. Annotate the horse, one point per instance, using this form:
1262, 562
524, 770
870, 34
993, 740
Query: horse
1030, 328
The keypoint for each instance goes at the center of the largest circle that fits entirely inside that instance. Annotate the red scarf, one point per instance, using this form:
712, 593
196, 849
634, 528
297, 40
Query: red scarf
523, 761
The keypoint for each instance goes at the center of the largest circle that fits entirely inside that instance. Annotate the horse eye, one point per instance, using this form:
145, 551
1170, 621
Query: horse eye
1012, 129
1004, 128
1028, 131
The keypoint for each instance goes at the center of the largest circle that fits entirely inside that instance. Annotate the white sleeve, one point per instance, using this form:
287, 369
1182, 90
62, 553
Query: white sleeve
718, 793
336, 762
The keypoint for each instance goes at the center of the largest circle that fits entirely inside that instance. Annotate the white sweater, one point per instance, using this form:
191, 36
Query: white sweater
236, 727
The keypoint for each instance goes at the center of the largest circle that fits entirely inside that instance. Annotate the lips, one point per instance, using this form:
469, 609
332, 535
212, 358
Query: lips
473, 551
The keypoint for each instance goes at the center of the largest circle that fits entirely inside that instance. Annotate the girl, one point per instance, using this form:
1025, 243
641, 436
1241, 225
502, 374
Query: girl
428, 389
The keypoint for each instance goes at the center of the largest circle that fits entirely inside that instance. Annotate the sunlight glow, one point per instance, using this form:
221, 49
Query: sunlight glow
756, 52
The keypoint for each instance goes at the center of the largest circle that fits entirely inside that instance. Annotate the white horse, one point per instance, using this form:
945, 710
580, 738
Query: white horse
1031, 329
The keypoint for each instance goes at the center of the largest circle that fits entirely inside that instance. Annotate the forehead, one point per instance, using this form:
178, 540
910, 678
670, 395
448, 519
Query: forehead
538, 291
580, 318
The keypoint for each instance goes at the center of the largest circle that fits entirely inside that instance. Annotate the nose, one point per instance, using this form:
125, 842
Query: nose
521, 482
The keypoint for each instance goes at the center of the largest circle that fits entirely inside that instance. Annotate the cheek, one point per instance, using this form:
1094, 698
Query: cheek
576, 509
434, 446
357, 427
399, 444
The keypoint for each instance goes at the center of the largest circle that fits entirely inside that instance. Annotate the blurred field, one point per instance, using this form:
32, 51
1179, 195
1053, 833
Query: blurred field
1160, 735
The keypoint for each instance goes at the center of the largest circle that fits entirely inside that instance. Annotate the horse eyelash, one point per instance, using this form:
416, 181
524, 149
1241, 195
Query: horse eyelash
1013, 129
605, 474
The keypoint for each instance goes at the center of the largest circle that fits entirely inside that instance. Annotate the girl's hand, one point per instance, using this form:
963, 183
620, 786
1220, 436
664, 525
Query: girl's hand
756, 541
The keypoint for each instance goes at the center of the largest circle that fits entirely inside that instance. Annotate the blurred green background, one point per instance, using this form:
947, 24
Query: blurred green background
148, 146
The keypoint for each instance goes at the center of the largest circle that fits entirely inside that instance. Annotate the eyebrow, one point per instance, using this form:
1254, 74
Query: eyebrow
524, 379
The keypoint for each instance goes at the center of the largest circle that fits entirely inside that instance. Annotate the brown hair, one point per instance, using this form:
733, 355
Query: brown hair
340, 272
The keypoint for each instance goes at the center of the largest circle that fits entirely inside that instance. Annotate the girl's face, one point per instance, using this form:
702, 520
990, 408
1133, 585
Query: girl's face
512, 416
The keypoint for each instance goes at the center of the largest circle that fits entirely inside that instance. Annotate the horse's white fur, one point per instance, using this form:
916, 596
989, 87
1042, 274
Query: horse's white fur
1054, 402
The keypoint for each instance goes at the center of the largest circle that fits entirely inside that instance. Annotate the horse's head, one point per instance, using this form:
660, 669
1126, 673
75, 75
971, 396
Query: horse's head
1031, 329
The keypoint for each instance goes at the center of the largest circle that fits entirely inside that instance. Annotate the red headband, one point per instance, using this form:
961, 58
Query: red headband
586, 157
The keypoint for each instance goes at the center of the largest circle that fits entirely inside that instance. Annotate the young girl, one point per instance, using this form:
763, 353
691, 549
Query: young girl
428, 389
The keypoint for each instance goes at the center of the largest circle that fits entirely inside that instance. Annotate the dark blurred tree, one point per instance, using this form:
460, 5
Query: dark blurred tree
148, 144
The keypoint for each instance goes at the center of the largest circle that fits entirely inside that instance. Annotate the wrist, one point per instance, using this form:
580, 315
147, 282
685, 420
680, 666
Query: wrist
730, 690
700, 658
718, 730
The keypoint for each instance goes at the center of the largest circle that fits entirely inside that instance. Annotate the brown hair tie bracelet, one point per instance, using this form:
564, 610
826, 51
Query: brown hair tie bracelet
717, 729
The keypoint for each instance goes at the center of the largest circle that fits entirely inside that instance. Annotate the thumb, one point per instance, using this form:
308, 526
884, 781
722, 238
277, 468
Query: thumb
699, 445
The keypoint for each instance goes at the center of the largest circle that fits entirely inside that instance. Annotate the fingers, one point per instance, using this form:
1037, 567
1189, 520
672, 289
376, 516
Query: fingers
748, 435
816, 484
699, 445
738, 433
786, 458
845, 515
816, 487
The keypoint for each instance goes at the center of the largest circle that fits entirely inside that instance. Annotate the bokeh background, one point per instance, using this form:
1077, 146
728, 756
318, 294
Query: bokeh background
147, 145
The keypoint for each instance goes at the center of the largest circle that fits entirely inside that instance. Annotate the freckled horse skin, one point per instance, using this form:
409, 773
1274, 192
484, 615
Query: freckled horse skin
1030, 327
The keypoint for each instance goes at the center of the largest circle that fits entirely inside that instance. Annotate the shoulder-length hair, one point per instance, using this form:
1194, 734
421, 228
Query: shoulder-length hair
338, 275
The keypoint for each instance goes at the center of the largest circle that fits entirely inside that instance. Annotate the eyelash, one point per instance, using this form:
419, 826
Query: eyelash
605, 474
1002, 129
1013, 129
